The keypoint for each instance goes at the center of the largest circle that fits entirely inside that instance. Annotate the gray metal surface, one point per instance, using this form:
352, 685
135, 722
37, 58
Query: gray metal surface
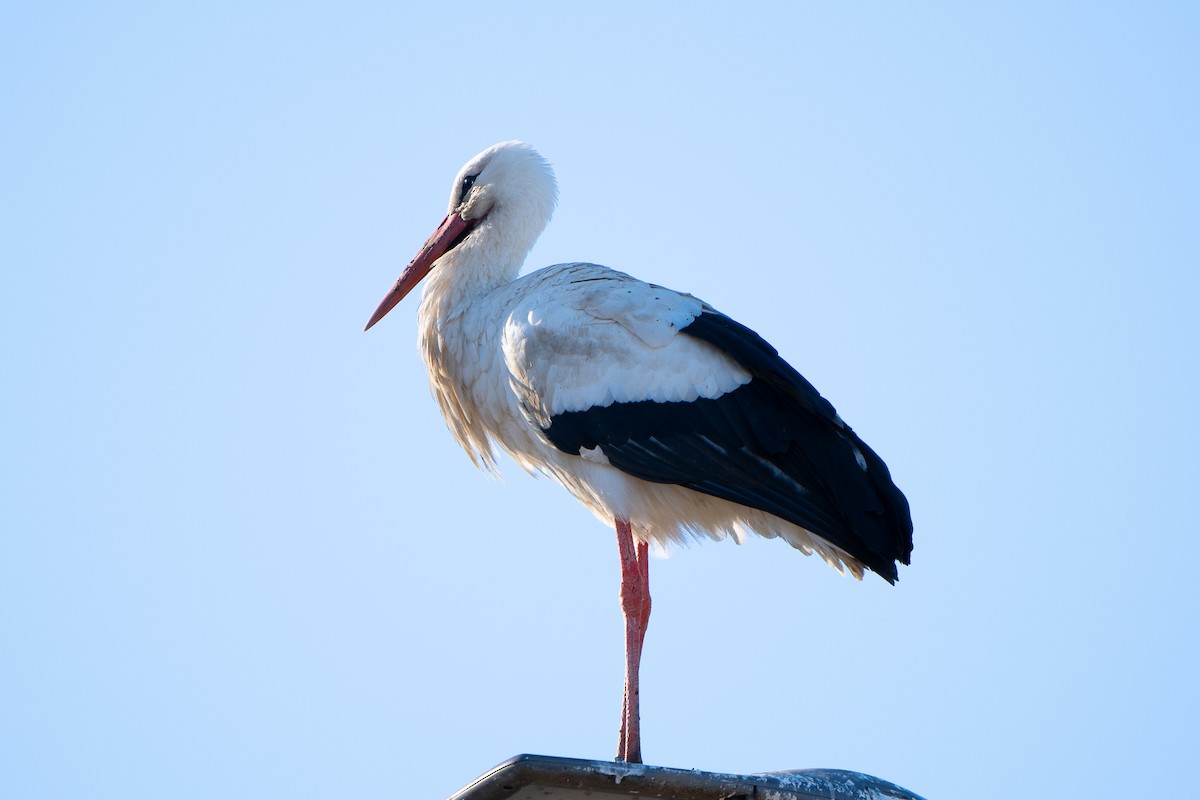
529, 777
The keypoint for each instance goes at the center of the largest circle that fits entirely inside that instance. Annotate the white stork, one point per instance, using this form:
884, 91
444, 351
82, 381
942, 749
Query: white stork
663, 416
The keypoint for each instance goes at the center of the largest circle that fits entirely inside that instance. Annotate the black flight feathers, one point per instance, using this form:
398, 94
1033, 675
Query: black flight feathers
773, 444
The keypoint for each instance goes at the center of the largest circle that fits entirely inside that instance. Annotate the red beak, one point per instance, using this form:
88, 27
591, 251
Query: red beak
452, 227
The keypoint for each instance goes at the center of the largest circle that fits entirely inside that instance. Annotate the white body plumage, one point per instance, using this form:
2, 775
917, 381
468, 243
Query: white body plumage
503, 359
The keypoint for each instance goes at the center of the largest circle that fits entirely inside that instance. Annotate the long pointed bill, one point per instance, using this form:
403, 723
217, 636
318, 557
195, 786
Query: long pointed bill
439, 243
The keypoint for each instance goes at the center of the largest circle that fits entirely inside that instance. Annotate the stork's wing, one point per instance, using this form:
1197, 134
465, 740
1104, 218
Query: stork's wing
672, 391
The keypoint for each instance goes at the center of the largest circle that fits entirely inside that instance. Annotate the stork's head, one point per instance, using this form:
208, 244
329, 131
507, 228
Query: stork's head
500, 203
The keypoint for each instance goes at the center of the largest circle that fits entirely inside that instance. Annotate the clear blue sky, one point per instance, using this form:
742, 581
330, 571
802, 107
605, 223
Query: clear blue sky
241, 556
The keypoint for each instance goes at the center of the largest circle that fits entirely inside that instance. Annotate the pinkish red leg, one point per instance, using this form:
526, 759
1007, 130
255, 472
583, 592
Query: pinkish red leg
635, 605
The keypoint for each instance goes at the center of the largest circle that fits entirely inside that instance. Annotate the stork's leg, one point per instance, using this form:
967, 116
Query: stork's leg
635, 604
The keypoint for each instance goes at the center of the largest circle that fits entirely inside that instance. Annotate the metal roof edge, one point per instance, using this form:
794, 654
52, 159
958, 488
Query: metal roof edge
618, 777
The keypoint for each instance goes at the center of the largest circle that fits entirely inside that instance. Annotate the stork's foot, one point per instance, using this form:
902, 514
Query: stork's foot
635, 605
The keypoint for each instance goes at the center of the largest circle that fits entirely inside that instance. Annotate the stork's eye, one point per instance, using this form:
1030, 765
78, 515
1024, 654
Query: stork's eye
467, 183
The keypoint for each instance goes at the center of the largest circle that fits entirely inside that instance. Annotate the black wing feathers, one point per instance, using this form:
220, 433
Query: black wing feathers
774, 444
758, 357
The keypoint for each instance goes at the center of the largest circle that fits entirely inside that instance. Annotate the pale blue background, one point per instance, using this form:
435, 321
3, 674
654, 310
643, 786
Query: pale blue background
241, 556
